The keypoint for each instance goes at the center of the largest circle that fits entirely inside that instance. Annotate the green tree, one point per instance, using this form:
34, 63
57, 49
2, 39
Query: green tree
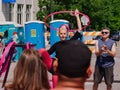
43, 9
105, 13
102, 13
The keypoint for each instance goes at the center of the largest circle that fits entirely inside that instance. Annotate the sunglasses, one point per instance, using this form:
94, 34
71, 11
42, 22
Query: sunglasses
104, 32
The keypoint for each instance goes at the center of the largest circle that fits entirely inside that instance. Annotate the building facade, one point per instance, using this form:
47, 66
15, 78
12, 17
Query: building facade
19, 11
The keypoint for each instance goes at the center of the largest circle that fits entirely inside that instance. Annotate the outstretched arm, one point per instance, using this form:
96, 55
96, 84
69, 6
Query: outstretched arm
78, 20
78, 34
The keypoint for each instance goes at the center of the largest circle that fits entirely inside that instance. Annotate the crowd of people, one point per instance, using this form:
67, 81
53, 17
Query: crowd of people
71, 65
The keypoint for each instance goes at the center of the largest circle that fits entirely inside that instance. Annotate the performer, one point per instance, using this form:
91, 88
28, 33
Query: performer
63, 32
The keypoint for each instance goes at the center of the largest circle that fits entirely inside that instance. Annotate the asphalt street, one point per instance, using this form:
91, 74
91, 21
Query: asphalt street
89, 82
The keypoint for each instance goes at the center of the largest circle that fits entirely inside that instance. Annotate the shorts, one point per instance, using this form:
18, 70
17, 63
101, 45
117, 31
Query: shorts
101, 72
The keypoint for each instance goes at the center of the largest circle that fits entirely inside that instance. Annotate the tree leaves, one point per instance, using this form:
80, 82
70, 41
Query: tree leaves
102, 13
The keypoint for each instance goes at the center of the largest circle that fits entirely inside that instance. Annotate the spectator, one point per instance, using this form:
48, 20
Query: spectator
30, 73
73, 66
105, 52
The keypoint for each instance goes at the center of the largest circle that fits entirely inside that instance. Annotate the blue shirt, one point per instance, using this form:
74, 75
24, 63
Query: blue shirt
104, 59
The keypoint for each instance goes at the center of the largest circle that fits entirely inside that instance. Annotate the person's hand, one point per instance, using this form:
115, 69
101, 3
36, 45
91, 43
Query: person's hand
104, 48
74, 13
55, 64
89, 72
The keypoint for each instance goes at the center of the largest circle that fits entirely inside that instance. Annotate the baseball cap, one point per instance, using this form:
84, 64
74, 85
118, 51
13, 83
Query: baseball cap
75, 59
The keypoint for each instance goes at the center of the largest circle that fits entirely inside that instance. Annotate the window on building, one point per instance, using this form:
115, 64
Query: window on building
28, 12
20, 13
11, 14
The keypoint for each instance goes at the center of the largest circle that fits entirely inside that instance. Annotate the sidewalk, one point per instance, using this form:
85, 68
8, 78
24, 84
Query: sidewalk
89, 83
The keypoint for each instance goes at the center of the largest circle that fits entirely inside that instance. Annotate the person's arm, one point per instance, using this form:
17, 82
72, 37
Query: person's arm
78, 21
46, 58
97, 50
52, 49
104, 48
78, 34
111, 52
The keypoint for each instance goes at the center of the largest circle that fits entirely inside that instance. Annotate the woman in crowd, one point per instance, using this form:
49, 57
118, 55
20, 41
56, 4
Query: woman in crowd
30, 73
